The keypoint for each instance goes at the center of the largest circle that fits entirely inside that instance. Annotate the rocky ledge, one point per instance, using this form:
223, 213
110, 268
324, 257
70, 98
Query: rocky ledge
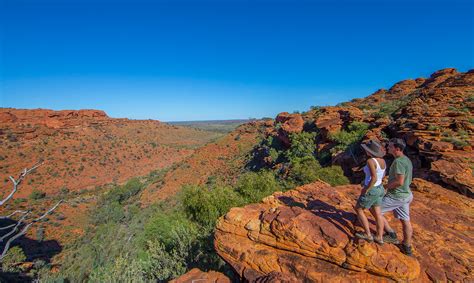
308, 234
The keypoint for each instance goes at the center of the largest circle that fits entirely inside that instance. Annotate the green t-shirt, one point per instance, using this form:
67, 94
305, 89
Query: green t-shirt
401, 166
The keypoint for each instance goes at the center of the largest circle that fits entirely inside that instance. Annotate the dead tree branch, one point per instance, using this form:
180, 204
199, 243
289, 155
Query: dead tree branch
20, 227
25, 229
18, 181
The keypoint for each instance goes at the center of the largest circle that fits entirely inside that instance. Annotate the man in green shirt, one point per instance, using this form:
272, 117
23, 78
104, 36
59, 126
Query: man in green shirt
399, 195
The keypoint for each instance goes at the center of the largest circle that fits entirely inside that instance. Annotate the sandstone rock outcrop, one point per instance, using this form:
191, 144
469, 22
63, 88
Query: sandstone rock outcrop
434, 116
196, 275
332, 119
308, 234
289, 124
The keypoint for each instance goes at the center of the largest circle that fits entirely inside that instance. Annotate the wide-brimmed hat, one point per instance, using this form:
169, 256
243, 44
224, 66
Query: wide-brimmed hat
374, 148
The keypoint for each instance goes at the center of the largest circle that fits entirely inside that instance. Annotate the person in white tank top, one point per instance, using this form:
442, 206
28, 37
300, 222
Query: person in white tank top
372, 192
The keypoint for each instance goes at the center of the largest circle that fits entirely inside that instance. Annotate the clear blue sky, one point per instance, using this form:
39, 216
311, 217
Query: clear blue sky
197, 60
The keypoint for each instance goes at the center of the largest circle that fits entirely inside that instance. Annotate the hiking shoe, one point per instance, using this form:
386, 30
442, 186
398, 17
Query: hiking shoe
378, 241
364, 236
406, 250
391, 237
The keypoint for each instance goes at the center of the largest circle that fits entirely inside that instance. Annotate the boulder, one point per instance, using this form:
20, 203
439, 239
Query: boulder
307, 234
289, 124
196, 275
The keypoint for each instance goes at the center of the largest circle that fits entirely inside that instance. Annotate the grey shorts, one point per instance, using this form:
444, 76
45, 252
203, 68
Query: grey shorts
400, 207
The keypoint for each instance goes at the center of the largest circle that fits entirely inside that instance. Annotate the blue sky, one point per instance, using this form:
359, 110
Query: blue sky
200, 60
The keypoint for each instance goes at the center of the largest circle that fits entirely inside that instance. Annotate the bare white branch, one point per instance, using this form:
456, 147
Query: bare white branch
15, 228
17, 182
25, 229
13, 213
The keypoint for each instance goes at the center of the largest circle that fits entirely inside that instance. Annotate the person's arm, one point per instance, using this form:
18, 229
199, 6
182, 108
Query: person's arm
399, 177
397, 182
373, 176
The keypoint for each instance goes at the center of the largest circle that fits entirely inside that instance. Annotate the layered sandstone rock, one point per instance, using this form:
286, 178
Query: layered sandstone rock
196, 275
308, 234
438, 125
289, 124
332, 119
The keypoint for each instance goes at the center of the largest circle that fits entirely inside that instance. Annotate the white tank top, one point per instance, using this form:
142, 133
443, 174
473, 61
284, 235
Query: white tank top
379, 171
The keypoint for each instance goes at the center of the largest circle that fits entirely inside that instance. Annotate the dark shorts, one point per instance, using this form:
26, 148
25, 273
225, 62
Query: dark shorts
372, 198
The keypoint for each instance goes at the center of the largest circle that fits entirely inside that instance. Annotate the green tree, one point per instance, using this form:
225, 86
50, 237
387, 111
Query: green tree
253, 186
302, 145
204, 205
346, 138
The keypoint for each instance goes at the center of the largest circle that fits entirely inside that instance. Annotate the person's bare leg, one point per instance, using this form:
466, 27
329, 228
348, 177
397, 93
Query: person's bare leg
376, 212
386, 226
363, 220
407, 232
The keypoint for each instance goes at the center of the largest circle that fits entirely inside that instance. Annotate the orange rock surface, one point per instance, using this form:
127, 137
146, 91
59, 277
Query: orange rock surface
84, 149
196, 275
308, 234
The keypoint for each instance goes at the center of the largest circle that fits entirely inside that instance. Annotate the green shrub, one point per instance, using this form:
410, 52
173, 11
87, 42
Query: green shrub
14, 256
306, 170
168, 228
332, 175
37, 194
302, 145
389, 108
303, 170
204, 205
433, 128
346, 138
122, 193
253, 186
111, 212
456, 142
156, 264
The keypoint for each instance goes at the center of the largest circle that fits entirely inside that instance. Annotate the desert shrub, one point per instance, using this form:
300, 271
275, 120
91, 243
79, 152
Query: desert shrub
272, 147
171, 229
306, 170
155, 264
253, 186
64, 191
303, 170
346, 138
14, 256
107, 213
17, 201
37, 194
204, 205
389, 108
432, 127
456, 141
302, 145
332, 175
122, 193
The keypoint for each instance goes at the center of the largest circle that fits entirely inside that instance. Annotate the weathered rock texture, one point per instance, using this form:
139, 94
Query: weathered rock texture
195, 275
308, 234
434, 115
437, 122
85, 148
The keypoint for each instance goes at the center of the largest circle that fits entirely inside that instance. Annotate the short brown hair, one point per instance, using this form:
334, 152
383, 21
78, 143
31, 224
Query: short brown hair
398, 143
